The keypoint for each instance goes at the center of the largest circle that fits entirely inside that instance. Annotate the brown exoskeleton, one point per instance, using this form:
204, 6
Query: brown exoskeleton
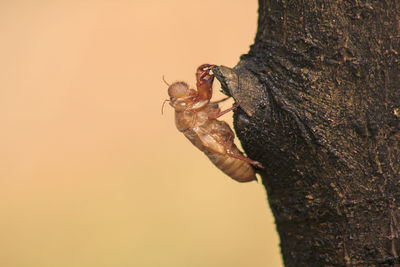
196, 117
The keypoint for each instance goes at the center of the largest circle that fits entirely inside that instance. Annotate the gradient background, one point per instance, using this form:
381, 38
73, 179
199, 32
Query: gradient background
91, 173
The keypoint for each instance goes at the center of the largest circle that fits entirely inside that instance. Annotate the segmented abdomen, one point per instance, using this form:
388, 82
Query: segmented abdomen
237, 169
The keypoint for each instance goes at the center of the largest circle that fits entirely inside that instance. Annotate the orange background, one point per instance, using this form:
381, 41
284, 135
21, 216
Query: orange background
91, 173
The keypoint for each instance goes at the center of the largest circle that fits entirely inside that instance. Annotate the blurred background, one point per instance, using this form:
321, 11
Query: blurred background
91, 173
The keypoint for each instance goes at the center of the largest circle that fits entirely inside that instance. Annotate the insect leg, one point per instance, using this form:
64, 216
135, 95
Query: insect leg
244, 158
205, 69
215, 116
219, 101
225, 137
204, 86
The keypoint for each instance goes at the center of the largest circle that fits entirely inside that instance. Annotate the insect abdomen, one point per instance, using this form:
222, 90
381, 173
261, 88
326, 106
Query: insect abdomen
237, 169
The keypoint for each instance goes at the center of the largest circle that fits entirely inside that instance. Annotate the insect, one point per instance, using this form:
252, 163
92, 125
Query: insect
196, 117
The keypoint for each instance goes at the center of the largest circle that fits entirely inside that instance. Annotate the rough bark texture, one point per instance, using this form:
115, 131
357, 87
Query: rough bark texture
320, 91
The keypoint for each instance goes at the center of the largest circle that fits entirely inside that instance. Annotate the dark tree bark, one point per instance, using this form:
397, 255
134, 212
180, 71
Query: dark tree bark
320, 91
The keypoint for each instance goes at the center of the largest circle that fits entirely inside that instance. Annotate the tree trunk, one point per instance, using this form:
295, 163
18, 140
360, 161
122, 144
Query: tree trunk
320, 91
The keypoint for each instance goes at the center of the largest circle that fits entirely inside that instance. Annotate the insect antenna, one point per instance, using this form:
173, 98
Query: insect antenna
163, 78
162, 107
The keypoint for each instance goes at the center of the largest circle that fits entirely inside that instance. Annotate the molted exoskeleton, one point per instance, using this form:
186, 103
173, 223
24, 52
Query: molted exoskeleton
196, 117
